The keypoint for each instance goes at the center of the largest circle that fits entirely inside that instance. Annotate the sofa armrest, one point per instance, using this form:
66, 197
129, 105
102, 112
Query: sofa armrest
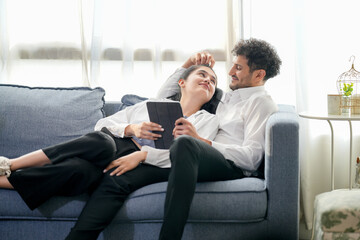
282, 173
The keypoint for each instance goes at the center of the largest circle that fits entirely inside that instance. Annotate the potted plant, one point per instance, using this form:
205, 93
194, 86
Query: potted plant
348, 88
347, 91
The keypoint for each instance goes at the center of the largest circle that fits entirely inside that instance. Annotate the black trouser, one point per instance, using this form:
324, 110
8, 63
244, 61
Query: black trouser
77, 167
192, 160
109, 196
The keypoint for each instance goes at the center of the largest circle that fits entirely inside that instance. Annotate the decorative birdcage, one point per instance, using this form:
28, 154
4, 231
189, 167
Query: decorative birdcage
348, 85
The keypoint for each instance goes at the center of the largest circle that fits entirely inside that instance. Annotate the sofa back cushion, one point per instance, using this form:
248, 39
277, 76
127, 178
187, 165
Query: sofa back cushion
32, 118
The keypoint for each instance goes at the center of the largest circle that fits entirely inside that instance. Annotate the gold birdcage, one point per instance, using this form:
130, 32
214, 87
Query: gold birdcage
348, 85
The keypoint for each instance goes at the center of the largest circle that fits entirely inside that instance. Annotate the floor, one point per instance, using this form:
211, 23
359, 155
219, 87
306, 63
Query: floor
304, 233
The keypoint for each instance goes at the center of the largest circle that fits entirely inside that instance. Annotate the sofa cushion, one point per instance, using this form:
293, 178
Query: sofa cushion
245, 200
35, 117
240, 200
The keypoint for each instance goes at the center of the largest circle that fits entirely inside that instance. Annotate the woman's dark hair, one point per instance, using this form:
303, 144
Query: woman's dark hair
192, 68
260, 55
211, 105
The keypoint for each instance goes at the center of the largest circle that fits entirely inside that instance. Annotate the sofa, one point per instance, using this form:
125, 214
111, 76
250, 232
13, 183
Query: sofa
250, 208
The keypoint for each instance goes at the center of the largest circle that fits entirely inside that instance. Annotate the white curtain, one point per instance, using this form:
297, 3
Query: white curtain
315, 40
142, 42
40, 43
124, 46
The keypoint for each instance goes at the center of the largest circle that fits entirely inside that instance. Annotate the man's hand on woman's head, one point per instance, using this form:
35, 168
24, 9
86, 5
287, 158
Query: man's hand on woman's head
200, 58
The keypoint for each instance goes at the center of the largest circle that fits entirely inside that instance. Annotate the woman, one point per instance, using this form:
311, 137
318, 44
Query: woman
120, 143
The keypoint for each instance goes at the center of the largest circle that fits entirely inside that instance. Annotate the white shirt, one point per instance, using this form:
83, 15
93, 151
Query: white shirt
206, 125
242, 114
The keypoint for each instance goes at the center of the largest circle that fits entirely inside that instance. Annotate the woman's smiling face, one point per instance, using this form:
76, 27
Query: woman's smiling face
201, 81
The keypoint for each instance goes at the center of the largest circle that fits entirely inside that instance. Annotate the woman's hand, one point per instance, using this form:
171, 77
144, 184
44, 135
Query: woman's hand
200, 58
143, 130
184, 127
126, 163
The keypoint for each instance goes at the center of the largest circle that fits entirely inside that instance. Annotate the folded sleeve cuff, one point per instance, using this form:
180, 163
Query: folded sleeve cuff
118, 130
157, 157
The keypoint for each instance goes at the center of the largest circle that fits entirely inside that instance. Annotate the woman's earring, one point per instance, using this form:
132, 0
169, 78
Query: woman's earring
181, 83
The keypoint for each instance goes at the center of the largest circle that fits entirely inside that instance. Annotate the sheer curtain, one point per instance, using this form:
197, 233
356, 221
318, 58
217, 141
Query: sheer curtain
40, 43
315, 40
123, 46
142, 42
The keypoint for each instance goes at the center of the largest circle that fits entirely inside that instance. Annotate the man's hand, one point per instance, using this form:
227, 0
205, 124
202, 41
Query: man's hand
200, 58
126, 163
143, 130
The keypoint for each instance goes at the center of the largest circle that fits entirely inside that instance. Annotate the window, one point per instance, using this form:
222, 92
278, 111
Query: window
124, 46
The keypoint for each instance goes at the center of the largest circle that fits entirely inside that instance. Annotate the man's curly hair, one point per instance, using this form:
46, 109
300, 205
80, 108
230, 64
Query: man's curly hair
260, 55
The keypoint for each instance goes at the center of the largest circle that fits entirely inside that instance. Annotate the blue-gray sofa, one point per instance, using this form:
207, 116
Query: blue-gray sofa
249, 208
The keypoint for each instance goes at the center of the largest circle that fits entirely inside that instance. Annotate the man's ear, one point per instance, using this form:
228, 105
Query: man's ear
259, 75
181, 83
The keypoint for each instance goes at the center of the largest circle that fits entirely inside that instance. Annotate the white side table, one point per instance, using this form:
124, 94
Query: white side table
329, 118
332, 203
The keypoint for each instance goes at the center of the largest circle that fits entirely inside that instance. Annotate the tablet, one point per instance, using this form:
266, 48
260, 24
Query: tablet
165, 114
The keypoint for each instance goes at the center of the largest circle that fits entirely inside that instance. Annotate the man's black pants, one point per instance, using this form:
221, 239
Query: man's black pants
192, 161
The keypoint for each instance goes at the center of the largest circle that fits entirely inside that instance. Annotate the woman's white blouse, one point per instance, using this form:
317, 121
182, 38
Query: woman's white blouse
206, 125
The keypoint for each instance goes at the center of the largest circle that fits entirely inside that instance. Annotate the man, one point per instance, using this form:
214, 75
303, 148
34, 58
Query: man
238, 148
236, 151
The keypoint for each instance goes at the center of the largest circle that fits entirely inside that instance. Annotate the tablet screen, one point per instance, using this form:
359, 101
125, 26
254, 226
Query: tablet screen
165, 114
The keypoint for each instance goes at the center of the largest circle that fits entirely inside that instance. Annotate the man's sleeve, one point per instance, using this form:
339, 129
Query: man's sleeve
170, 87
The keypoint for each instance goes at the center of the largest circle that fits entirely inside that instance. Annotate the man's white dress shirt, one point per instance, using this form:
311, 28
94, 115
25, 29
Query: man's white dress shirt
206, 125
242, 120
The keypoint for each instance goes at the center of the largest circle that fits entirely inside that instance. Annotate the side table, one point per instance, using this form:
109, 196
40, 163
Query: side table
329, 118
345, 203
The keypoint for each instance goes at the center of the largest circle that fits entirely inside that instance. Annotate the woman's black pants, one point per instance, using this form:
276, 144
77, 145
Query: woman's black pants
76, 167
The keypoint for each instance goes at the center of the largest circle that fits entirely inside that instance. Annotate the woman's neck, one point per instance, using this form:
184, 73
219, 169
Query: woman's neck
189, 106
